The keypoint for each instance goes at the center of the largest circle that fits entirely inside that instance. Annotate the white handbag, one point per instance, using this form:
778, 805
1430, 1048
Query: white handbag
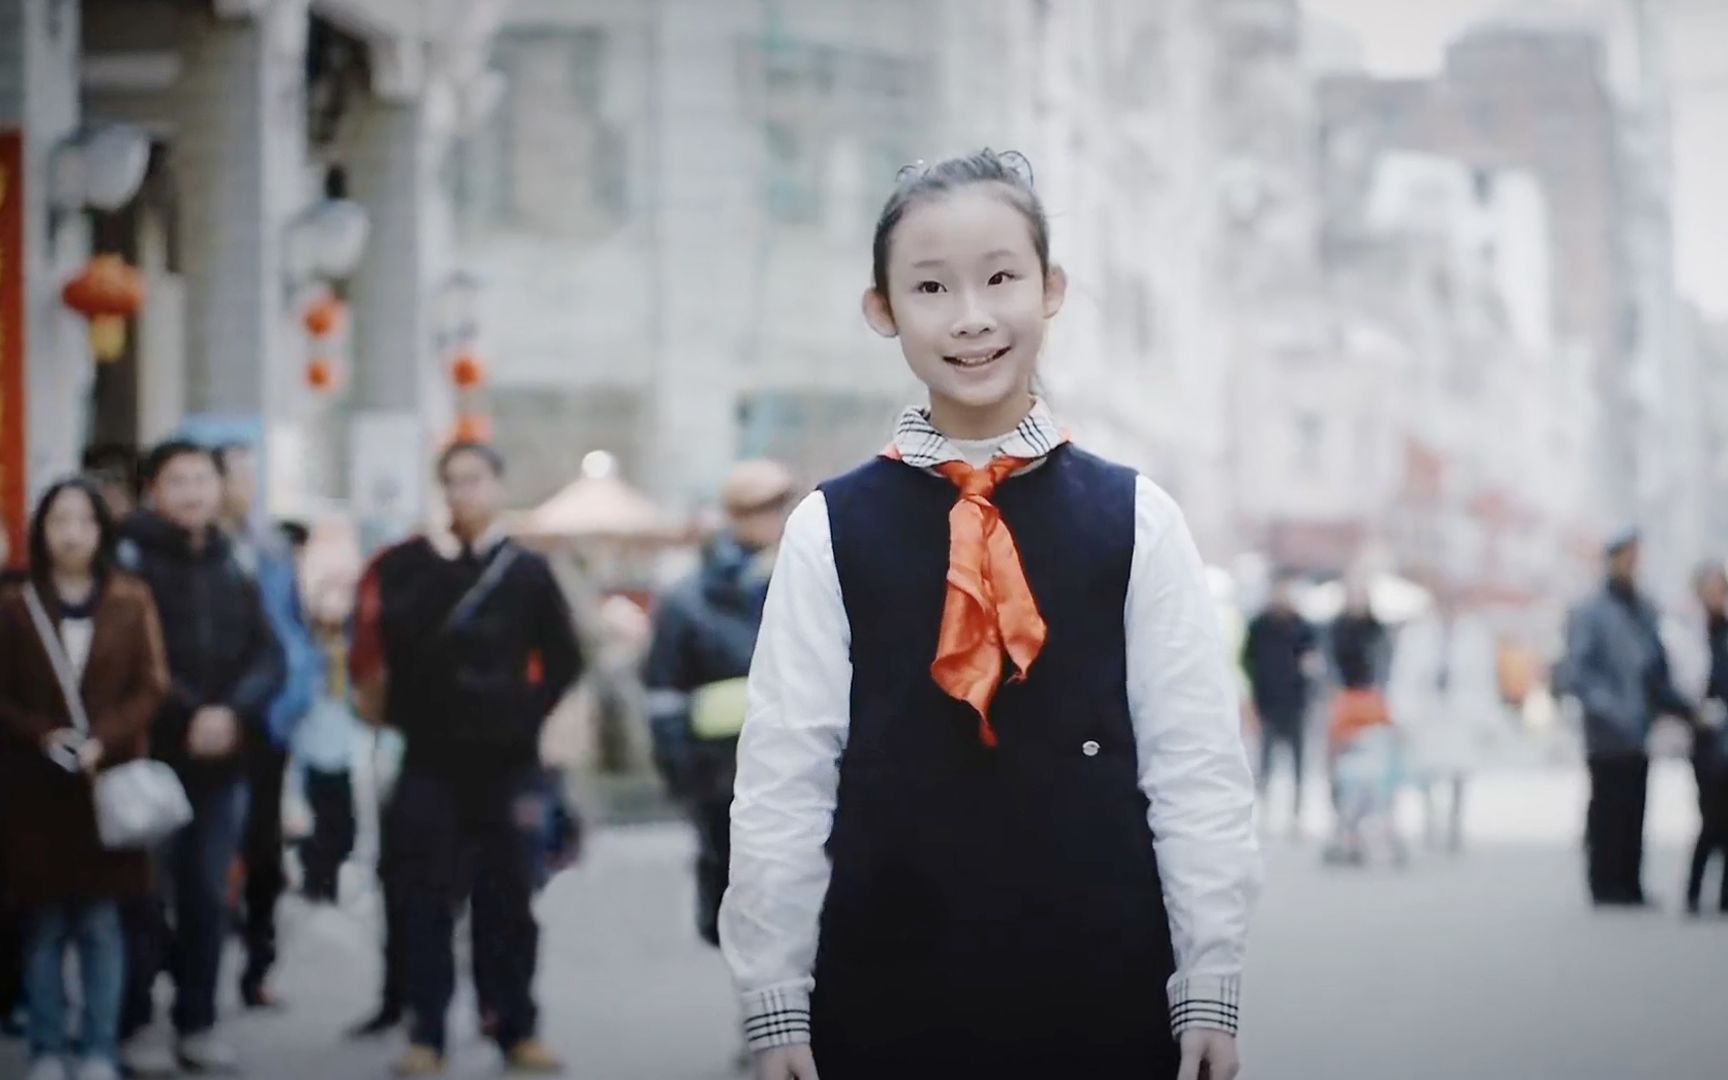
138, 804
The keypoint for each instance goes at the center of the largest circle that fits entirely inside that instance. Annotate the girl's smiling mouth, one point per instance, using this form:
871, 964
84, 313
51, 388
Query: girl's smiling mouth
978, 360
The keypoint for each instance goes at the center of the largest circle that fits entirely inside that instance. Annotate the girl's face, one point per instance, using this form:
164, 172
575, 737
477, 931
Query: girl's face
968, 300
72, 532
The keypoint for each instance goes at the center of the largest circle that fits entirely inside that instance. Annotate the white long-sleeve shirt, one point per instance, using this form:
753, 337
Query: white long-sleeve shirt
1183, 705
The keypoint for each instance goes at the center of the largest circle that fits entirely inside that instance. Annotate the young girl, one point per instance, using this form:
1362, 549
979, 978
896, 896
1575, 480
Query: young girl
104, 627
993, 815
325, 746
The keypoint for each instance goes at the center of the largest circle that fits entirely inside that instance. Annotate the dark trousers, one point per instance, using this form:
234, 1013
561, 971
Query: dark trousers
1282, 726
464, 837
395, 990
1614, 829
1712, 828
193, 876
331, 798
713, 821
262, 855
11, 958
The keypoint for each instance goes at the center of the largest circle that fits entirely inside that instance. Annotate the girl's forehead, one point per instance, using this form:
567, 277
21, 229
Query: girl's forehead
963, 224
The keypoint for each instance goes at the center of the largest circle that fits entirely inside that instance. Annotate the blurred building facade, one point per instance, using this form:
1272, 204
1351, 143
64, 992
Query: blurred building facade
252, 115
1421, 324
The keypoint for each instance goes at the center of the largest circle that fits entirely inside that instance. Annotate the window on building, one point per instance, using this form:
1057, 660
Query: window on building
1310, 436
552, 158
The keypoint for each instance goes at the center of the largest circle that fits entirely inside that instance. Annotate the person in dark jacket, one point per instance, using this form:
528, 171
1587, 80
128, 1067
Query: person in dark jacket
1278, 656
704, 634
225, 667
1617, 668
104, 623
263, 552
12, 1018
477, 645
1361, 648
1710, 742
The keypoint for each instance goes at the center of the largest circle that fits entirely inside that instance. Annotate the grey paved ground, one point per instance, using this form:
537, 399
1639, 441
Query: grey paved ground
1488, 965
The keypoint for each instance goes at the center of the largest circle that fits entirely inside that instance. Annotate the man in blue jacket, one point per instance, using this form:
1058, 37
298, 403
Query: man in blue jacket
1617, 668
262, 551
704, 635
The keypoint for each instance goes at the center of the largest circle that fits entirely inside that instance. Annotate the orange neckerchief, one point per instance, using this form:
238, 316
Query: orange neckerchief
989, 609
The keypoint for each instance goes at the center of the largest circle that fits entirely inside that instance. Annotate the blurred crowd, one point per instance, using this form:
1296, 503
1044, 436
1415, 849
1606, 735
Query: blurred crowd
436, 694
1420, 703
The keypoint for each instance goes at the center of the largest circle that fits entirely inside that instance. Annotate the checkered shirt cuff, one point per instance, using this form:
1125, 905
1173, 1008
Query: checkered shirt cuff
1205, 1001
777, 1017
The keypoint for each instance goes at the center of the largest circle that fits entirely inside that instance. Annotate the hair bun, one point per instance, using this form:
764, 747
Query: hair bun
1018, 164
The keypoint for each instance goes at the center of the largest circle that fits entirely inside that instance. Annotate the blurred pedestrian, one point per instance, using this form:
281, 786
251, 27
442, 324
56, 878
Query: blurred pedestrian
324, 749
1617, 668
477, 646
104, 634
1279, 657
12, 1018
1361, 646
992, 802
263, 550
1444, 696
704, 634
114, 469
1710, 744
225, 668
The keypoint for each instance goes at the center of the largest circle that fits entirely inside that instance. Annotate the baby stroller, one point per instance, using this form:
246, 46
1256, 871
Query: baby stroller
1366, 767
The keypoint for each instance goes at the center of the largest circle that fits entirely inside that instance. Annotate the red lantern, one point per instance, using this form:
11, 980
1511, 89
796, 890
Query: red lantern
472, 428
107, 292
324, 315
320, 373
467, 371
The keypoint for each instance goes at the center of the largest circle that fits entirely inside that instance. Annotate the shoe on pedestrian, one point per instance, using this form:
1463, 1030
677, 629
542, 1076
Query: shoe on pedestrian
47, 1068
147, 1054
204, 1053
533, 1057
386, 1020
255, 995
96, 1068
419, 1061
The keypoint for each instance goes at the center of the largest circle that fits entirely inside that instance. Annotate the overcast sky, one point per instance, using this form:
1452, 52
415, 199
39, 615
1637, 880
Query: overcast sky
1408, 37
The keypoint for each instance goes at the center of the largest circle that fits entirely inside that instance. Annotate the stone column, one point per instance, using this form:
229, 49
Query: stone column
239, 152
395, 141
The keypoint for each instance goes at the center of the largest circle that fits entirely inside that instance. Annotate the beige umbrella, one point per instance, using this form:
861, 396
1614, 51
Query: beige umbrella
596, 507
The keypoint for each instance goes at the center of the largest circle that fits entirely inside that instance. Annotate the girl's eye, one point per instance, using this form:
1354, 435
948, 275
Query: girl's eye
928, 287
1001, 276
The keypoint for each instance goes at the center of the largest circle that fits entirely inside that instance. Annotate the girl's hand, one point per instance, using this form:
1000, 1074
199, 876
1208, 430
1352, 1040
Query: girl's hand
90, 755
1208, 1055
61, 745
786, 1063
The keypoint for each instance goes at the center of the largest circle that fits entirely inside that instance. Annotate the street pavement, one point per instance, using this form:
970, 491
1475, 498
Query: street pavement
1484, 964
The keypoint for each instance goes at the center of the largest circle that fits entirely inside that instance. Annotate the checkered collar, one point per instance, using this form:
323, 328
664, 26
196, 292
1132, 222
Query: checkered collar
920, 444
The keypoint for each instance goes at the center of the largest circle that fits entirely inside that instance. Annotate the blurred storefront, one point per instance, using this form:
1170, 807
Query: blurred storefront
267, 175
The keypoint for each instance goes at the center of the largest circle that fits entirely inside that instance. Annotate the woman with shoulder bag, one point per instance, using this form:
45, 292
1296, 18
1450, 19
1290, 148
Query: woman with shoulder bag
107, 643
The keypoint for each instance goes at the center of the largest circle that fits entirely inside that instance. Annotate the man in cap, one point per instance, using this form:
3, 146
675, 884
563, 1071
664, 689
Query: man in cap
704, 634
1617, 669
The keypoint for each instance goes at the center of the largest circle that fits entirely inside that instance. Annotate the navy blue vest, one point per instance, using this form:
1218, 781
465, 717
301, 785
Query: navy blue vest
999, 905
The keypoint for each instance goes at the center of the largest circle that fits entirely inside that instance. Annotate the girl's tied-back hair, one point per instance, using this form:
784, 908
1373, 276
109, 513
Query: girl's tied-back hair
1008, 173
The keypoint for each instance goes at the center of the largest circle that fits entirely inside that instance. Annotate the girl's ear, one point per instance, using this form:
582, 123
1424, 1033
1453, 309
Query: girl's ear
1055, 291
878, 314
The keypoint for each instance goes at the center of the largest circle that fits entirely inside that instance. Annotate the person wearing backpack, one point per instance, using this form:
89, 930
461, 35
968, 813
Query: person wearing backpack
477, 645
